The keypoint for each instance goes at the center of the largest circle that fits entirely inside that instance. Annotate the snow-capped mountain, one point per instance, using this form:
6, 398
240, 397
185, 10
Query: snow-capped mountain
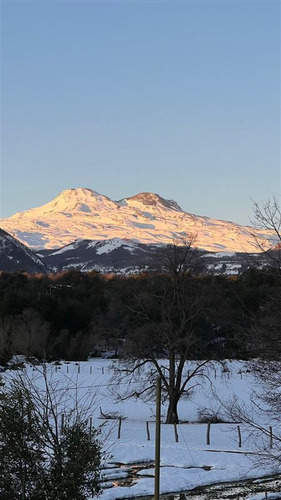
14, 256
145, 218
107, 255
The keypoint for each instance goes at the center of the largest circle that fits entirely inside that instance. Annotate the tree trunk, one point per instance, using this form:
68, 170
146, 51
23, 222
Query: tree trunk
172, 413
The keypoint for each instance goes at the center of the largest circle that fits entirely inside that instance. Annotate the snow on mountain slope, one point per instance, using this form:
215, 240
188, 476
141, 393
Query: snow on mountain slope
147, 218
14, 256
114, 255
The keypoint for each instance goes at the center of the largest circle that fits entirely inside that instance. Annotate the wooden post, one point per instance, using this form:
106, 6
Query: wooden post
91, 424
147, 431
66, 368
176, 433
102, 370
239, 436
78, 368
91, 370
119, 428
265, 495
157, 440
208, 433
270, 437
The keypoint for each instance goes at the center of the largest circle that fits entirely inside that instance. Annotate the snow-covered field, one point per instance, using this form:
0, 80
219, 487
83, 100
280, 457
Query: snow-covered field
129, 465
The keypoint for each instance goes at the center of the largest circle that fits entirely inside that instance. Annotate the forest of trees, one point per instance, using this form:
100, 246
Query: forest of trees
72, 314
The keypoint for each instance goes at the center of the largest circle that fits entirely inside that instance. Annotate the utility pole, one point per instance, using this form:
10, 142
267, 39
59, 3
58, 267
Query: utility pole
157, 440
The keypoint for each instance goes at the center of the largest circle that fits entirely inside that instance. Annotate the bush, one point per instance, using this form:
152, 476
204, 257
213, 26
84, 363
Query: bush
39, 459
209, 416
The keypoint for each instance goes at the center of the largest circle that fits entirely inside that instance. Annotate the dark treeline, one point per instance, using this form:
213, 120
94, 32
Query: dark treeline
71, 314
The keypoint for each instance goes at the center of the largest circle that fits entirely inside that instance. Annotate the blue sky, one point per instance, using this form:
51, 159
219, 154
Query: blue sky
177, 98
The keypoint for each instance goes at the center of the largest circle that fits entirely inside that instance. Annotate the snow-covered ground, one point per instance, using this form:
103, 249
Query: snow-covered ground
186, 464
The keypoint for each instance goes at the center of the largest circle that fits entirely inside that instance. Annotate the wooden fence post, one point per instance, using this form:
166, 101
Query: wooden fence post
208, 433
239, 436
119, 428
147, 431
176, 433
270, 437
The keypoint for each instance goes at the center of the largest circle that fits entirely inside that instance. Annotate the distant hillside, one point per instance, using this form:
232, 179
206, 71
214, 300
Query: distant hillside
14, 256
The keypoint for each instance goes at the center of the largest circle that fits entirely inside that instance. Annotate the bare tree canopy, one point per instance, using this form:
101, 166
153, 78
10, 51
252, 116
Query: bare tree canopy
267, 215
167, 325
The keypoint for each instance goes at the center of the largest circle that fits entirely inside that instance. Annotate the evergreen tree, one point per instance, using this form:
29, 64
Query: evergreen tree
21, 447
39, 460
74, 466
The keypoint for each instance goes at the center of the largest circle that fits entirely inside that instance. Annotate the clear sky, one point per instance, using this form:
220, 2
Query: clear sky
181, 98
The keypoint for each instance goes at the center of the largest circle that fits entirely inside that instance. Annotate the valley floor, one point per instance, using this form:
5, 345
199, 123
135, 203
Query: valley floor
128, 469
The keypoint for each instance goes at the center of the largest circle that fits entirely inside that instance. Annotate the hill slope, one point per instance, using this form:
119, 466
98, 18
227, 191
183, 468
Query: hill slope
14, 256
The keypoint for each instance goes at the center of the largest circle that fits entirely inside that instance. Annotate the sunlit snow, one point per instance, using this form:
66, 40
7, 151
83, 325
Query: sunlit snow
85, 214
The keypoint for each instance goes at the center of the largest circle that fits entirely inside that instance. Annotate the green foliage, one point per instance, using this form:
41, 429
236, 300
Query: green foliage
21, 448
40, 462
74, 467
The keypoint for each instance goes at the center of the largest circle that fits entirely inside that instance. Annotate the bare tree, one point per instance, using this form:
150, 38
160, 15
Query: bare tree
265, 326
30, 334
263, 337
264, 345
181, 259
167, 315
262, 415
267, 216
6, 339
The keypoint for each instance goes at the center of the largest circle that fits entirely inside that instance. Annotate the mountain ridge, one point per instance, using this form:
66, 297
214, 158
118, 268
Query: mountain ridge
14, 256
148, 218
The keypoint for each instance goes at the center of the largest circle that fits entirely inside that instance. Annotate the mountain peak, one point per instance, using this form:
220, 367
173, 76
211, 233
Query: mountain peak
148, 218
81, 191
153, 200
71, 201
